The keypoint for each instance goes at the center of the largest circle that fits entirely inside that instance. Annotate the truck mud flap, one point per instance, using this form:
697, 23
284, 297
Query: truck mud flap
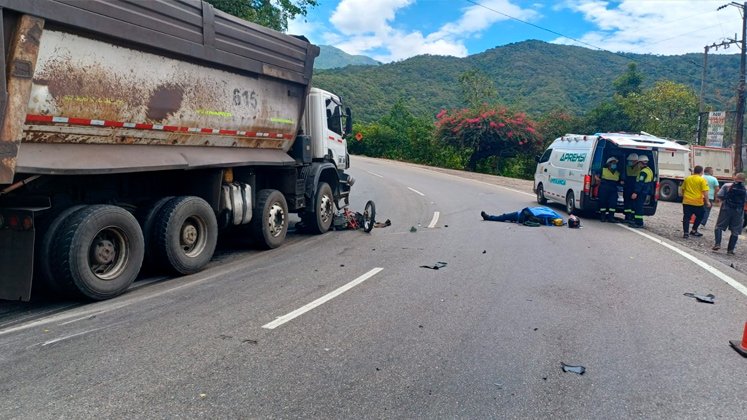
17, 262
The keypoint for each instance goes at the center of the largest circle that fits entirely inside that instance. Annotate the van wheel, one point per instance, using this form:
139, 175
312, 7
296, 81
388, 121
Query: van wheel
668, 190
541, 194
570, 203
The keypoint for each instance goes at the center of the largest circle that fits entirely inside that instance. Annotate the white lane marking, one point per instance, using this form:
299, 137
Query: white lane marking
704, 265
415, 191
434, 220
375, 174
329, 296
57, 340
91, 316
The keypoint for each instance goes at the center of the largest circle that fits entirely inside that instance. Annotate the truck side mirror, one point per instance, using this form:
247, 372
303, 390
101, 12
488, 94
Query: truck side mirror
348, 121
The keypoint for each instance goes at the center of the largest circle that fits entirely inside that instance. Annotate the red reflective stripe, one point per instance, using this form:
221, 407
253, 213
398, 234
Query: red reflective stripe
141, 126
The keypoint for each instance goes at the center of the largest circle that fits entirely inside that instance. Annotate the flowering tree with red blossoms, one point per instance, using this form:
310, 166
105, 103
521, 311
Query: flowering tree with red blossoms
487, 132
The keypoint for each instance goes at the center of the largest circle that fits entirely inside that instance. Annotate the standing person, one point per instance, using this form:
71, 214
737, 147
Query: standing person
730, 216
712, 189
644, 186
631, 173
610, 178
694, 200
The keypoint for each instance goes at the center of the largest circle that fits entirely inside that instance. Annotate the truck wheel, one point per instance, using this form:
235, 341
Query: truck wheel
45, 274
146, 216
270, 224
98, 252
570, 203
319, 219
541, 194
185, 233
668, 190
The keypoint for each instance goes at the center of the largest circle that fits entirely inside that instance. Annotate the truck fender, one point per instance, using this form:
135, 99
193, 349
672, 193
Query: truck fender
322, 171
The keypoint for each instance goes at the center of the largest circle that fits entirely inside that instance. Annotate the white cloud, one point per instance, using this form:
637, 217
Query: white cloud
366, 27
655, 27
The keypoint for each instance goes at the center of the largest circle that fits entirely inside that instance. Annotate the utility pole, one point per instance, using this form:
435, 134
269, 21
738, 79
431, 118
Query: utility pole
739, 126
702, 89
725, 43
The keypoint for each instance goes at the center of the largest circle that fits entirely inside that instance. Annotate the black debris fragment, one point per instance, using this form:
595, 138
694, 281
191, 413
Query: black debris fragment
249, 341
413, 229
709, 298
436, 266
484, 251
573, 369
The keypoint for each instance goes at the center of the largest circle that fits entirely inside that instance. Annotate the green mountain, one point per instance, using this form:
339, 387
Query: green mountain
332, 58
531, 76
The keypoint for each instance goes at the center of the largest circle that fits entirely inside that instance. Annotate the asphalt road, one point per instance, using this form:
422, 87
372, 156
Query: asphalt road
482, 337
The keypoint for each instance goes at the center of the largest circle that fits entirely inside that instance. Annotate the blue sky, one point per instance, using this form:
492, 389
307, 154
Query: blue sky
393, 30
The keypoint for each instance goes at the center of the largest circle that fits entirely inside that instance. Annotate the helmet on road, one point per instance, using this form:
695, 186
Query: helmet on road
643, 158
632, 157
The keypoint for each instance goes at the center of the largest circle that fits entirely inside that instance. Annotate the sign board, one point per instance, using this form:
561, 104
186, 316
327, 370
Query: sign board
715, 133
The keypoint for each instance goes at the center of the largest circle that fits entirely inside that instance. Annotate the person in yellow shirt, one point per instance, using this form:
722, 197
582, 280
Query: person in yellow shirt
694, 200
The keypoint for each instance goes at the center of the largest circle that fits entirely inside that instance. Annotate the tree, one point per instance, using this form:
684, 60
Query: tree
487, 132
477, 89
557, 123
609, 116
668, 109
628, 82
270, 13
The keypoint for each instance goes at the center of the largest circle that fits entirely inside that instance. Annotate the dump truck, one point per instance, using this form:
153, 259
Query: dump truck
136, 132
675, 167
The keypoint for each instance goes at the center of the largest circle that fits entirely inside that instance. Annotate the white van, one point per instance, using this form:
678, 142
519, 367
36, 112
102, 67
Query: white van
565, 171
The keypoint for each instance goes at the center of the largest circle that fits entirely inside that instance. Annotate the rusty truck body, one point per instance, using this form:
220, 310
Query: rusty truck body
136, 131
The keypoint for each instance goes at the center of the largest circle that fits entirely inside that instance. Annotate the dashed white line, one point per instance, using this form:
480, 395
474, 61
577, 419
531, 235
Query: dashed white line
415, 191
329, 296
711, 269
434, 220
375, 174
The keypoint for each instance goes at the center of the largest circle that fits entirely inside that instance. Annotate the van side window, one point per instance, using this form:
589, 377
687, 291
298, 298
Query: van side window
596, 163
545, 156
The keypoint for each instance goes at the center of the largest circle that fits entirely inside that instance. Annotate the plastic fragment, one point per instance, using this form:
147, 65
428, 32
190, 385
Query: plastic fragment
709, 298
573, 369
436, 266
413, 229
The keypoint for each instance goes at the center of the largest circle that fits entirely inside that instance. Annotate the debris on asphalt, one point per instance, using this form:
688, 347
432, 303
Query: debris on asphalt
383, 224
249, 341
709, 298
484, 251
573, 369
436, 266
413, 229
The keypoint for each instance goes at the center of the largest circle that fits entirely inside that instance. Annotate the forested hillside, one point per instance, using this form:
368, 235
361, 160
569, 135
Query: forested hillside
332, 58
531, 76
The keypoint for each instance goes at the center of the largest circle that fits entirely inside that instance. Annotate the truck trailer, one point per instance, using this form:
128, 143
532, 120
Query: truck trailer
135, 132
675, 167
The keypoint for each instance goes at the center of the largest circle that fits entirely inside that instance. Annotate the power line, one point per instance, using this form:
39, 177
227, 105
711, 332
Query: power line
623, 55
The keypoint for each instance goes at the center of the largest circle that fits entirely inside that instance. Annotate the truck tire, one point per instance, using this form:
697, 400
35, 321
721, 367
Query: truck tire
44, 272
541, 199
570, 203
319, 219
668, 190
146, 216
98, 252
270, 224
185, 233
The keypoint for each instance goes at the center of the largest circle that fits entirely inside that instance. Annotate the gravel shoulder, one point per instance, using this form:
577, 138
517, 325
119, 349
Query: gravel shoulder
666, 223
